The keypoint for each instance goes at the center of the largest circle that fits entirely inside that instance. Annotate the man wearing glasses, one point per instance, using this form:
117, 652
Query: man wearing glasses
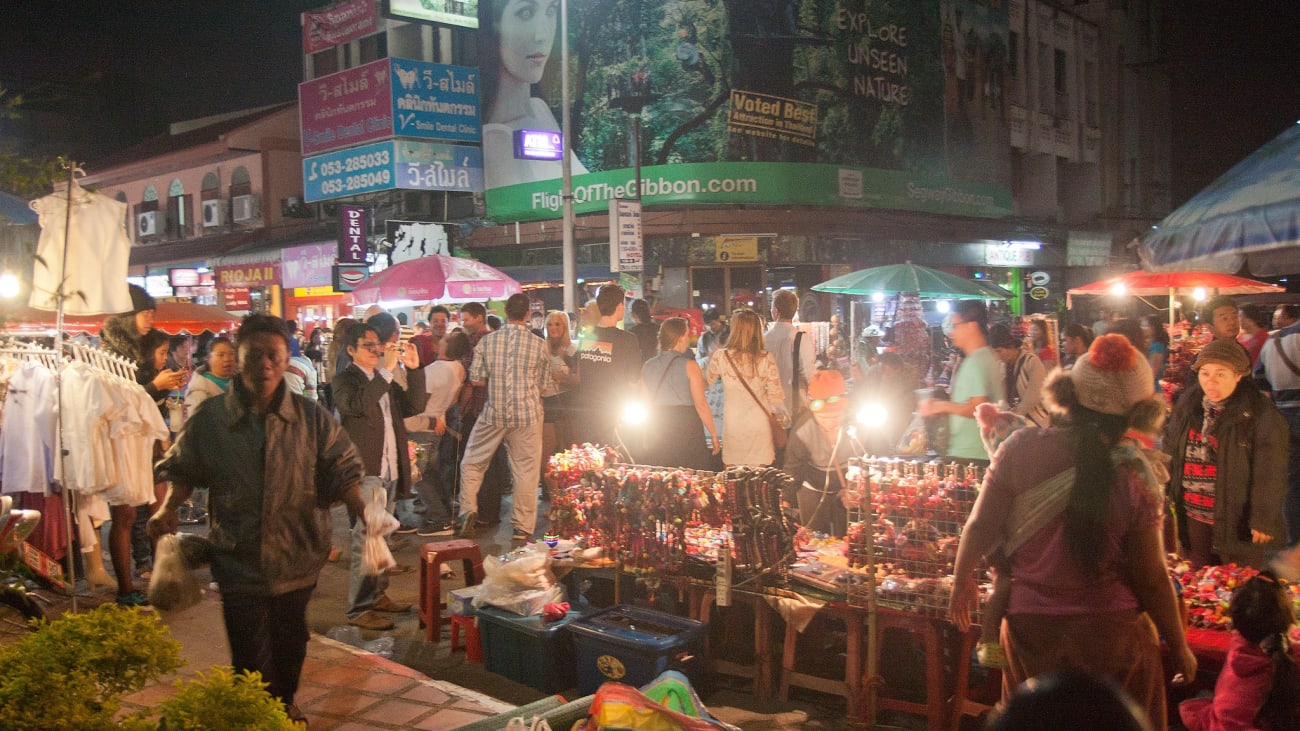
978, 379
383, 385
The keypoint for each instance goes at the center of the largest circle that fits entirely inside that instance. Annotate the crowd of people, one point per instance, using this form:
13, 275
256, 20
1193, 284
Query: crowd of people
1073, 513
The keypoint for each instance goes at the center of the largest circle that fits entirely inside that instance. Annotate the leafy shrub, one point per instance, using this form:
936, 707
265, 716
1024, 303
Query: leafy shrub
222, 701
70, 673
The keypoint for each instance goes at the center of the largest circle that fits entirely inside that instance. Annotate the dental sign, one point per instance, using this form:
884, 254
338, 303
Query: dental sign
538, 144
391, 165
352, 235
391, 97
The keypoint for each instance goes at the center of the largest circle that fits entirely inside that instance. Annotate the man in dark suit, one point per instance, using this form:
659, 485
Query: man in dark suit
383, 385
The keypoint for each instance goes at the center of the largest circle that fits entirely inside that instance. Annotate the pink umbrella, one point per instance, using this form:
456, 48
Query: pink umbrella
436, 278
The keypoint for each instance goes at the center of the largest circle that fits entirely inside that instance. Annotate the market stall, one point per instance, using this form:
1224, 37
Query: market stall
172, 318
726, 538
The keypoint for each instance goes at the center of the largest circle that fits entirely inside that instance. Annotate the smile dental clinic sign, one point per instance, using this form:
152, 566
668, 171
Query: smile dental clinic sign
391, 97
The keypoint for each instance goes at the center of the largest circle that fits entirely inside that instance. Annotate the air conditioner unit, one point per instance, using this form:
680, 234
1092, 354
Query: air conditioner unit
214, 213
244, 207
146, 224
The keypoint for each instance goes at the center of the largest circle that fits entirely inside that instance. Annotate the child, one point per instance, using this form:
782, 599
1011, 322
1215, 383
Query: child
995, 427
1259, 686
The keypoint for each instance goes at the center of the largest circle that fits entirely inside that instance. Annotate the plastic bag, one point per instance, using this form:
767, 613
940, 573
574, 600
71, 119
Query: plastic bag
173, 586
914, 441
377, 523
520, 581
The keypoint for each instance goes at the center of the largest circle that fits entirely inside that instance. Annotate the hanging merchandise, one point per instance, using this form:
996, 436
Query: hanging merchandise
660, 520
82, 255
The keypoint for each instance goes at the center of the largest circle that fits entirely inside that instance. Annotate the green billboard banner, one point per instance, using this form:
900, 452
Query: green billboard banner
757, 183
870, 103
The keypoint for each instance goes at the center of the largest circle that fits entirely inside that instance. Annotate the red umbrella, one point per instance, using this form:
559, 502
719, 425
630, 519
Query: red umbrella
1147, 284
436, 278
171, 318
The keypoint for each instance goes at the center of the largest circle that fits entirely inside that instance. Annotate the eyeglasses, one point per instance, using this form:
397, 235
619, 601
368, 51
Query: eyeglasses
821, 403
372, 347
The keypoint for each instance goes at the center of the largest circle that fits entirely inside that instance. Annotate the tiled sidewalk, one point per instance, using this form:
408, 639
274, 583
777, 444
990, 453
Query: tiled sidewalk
346, 689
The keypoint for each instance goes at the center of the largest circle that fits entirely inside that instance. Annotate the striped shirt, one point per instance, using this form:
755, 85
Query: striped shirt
516, 367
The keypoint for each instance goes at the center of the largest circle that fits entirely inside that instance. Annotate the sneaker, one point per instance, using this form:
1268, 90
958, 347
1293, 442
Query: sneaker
371, 620
134, 599
399, 569
431, 528
991, 655
385, 603
469, 525
520, 536
407, 528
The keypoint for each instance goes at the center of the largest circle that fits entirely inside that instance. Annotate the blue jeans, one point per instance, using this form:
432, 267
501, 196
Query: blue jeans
1292, 504
364, 590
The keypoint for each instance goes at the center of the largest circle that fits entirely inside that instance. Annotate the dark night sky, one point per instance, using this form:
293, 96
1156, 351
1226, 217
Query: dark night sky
133, 65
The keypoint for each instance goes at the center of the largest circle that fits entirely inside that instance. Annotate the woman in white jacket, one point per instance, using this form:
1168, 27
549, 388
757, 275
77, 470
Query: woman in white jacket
443, 379
212, 379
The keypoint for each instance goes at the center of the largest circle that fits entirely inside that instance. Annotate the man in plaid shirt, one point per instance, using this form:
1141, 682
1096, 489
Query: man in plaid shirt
513, 364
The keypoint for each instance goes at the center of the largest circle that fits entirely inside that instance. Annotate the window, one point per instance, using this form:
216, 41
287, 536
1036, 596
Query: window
240, 183
1061, 83
372, 48
324, 62
1046, 92
179, 217
211, 185
1091, 116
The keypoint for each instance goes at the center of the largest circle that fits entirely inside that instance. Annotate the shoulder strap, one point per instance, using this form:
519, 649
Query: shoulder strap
1281, 352
797, 370
741, 378
662, 378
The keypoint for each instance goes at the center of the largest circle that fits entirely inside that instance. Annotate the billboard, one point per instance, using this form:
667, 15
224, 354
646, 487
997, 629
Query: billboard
390, 165
339, 23
416, 239
387, 98
867, 103
463, 13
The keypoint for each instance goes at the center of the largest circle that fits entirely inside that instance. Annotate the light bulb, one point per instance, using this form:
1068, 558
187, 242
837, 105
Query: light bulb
9, 285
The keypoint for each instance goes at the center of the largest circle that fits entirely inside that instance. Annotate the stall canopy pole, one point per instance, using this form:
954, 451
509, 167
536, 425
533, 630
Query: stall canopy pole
60, 297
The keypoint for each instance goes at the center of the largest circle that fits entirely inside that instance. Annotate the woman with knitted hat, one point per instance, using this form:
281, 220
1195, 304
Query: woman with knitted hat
1077, 511
1228, 475
124, 335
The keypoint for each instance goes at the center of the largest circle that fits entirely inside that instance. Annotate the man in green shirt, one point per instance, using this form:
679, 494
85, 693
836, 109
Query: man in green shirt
978, 379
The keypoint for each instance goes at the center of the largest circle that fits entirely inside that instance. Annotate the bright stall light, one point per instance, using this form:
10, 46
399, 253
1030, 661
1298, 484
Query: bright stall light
9, 286
943, 306
873, 415
634, 413
878, 297
1198, 294
1119, 289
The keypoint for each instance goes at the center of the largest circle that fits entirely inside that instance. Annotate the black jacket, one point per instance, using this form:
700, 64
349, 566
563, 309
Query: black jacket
356, 398
1251, 481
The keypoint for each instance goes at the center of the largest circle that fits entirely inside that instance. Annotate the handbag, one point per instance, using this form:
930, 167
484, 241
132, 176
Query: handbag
779, 435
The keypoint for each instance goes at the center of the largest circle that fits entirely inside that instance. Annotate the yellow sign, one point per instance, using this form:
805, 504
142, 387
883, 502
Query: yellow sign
323, 291
732, 249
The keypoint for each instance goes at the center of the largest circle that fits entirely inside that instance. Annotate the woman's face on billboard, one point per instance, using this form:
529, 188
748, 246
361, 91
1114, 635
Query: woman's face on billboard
527, 34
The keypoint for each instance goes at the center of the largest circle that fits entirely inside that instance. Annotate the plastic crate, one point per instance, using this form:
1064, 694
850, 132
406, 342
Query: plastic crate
632, 645
526, 650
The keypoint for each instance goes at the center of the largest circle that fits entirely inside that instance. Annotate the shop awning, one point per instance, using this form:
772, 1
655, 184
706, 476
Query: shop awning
554, 273
1249, 217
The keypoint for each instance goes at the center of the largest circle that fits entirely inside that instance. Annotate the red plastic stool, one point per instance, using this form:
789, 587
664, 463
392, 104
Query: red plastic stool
473, 648
431, 603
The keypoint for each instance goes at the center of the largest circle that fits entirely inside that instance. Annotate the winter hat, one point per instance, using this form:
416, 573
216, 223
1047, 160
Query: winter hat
141, 300
1112, 376
1224, 351
825, 384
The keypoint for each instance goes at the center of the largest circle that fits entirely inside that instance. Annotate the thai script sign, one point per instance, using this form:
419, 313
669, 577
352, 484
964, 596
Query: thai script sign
389, 165
339, 23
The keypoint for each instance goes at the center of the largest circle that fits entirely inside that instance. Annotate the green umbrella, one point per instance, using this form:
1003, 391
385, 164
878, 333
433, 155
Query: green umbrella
894, 278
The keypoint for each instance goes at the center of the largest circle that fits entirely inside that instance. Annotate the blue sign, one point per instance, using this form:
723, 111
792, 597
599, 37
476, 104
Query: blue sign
434, 101
389, 165
434, 166
538, 144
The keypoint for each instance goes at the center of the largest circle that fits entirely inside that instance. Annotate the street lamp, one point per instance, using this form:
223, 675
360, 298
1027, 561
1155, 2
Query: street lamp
568, 247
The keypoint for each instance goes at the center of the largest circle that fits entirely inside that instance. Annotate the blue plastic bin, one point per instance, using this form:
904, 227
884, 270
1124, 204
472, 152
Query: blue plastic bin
526, 650
633, 645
